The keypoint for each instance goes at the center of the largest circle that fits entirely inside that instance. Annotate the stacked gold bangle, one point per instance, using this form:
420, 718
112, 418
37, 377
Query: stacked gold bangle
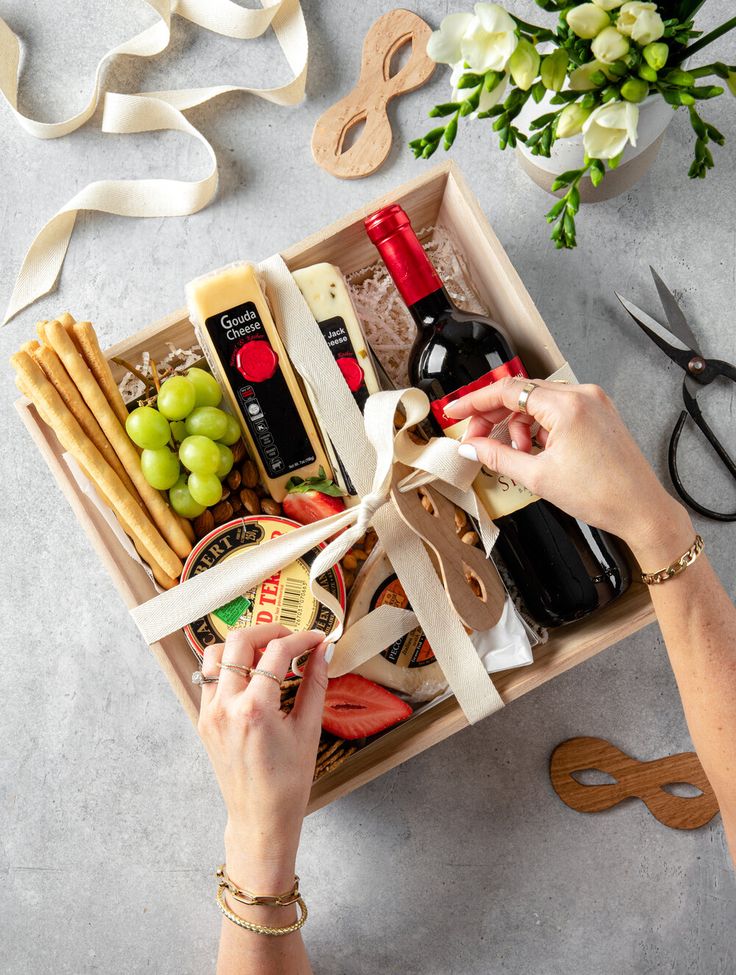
676, 567
259, 900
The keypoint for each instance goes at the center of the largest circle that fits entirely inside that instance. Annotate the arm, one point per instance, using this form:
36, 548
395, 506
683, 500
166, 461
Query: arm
592, 468
264, 762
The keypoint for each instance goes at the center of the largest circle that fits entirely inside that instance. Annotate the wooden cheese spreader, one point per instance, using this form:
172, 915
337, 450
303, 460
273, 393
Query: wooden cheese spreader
368, 101
471, 580
636, 779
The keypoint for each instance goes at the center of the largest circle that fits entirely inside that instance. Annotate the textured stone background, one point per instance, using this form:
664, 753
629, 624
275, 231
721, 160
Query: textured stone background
462, 861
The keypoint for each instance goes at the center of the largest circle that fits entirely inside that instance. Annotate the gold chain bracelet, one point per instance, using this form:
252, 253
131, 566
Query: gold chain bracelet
261, 928
258, 900
678, 566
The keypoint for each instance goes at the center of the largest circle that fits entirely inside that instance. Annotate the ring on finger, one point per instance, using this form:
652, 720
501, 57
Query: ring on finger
199, 678
265, 673
238, 668
524, 395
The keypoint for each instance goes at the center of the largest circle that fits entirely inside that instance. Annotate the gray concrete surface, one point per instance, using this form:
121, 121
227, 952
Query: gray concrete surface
462, 861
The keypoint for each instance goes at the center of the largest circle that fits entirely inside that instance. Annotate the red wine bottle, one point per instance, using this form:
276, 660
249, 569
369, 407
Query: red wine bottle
563, 568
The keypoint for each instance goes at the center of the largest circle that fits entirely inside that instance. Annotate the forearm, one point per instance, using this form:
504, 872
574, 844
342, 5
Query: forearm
244, 952
698, 623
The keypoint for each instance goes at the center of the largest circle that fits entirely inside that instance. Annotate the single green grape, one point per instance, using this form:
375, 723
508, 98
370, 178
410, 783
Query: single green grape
160, 468
199, 454
232, 431
226, 461
206, 387
206, 421
176, 398
182, 502
178, 430
206, 489
147, 428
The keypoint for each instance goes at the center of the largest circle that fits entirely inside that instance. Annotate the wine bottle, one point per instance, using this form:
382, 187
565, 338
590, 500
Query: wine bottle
563, 568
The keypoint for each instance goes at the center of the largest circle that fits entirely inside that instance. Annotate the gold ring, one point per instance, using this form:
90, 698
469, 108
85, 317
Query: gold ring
238, 668
524, 396
265, 673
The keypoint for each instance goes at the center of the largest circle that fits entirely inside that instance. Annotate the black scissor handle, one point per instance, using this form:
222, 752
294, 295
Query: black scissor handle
674, 474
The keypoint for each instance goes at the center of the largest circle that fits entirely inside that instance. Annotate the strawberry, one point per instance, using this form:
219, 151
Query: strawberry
357, 708
312, 500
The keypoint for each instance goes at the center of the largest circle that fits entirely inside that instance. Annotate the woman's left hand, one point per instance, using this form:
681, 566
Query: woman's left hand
263, 758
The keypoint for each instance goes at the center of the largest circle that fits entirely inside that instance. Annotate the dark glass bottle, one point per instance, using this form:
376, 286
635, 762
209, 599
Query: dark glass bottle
563, 569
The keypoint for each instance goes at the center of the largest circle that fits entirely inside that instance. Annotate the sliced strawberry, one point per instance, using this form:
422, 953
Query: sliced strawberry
312, 500
357, 708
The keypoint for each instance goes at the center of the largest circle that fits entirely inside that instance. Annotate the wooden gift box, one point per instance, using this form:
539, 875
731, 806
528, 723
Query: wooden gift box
441, 197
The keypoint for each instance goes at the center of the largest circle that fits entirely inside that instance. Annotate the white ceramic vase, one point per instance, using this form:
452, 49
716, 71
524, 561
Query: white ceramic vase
654, 117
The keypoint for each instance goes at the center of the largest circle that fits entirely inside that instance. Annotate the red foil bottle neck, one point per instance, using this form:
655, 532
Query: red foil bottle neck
391, 231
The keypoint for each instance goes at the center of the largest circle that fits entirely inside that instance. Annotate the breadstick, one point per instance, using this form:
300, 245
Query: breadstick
30, 347
51, 364
161, 514
85, 338
35, 385
161, 577
186, 527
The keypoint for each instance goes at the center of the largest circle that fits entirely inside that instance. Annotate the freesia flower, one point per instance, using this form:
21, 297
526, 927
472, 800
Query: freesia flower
580, 78
609, 46
484, 40
445, 44
524, 64
554, 70
640, 21
490, 41
608, 4
608, 128
487, 98
587, 20
571, 120
656, 55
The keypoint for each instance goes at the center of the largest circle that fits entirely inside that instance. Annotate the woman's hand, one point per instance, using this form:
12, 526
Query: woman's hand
590, 466
263, 758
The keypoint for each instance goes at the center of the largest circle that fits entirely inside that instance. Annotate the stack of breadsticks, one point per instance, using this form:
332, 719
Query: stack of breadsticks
68, 380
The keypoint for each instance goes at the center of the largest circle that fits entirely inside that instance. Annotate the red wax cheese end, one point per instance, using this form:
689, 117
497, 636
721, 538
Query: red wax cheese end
256, 361
351, 371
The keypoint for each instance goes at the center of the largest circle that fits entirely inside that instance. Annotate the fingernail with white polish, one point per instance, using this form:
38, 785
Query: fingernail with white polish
468, 451
515, 445
329, 652
450, 409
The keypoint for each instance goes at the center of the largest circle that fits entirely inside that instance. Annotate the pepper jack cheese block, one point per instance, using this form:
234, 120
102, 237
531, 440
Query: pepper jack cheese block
327, 295
245, 352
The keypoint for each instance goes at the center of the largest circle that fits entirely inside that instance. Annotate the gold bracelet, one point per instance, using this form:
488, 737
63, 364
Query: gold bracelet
260, 928
678, 566
258, 900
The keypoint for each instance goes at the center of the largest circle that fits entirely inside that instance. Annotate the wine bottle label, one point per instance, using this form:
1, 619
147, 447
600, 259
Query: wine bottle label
252, 368
499, 494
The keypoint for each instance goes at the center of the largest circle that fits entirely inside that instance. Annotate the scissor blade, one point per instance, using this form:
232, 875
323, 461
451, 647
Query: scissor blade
675, 317
659, 334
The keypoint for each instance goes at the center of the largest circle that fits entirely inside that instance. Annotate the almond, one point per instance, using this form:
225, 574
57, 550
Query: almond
203, 524
251, 501
270, 507
233, 479
238, 449
222, 512
470, 538
249, 473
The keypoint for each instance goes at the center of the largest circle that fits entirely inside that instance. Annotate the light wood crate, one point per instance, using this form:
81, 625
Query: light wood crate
441, 197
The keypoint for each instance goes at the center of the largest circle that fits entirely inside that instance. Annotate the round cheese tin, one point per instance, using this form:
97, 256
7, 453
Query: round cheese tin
283, 598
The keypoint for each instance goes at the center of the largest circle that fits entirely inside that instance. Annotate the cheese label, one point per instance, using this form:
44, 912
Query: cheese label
413, 649
283, 598
252, 369
336, 336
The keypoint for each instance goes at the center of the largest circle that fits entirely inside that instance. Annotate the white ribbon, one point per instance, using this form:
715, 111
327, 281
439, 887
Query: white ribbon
147, 112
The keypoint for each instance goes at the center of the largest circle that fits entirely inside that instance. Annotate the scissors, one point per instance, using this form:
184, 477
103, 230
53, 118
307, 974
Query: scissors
679, 343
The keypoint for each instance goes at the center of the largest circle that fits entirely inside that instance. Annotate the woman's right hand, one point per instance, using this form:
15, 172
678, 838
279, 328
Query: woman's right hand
590, 467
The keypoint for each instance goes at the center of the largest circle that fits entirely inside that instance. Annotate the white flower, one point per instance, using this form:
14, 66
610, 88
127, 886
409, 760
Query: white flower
587, 20
571, 120
484, 40
640, 21
487, 98
489, 42
445, 44
580, 77
524, 64
609, 46
609, 127
608, 4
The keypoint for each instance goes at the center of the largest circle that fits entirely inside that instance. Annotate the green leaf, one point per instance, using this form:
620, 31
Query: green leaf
539, 123
538, 91
450, 133
448, 108
469, 81
597, 175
